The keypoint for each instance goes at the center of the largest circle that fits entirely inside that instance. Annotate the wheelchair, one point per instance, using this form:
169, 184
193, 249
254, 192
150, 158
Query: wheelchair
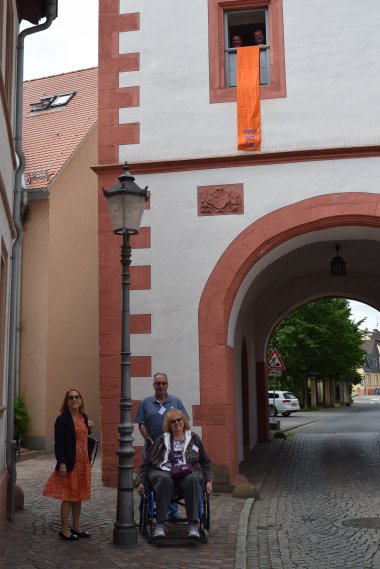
148, 515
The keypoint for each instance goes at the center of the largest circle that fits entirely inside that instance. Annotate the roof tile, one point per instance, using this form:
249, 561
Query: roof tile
51, 136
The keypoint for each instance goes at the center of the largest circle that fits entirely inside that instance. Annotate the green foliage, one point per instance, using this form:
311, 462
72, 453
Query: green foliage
320, 338
21, 418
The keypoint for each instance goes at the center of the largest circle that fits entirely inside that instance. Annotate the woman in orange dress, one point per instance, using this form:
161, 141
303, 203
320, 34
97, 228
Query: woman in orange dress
71, 480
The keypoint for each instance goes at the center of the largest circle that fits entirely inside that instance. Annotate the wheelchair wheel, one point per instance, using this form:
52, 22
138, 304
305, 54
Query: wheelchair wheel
204, 535
207, 524
205, 517
143, 515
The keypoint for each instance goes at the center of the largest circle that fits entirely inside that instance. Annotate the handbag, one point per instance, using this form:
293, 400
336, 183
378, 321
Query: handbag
178, 471
92, 446
181, 470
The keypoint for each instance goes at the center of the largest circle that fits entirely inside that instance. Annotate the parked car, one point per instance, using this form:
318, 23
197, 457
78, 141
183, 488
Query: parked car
282, 402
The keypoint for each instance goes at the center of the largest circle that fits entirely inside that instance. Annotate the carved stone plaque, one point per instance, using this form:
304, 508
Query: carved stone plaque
225, 199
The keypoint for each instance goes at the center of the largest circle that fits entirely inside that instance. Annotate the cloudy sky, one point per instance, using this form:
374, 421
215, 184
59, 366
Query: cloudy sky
360, 311
69, 44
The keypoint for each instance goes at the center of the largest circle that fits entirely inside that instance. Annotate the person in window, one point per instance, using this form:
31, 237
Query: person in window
177, 447
258, 37
71, 480
236, 41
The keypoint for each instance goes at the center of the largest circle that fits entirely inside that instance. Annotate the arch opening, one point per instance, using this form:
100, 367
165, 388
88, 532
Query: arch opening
277, 264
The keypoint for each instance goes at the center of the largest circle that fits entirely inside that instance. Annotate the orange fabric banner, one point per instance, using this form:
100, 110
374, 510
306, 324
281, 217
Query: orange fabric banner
248, 98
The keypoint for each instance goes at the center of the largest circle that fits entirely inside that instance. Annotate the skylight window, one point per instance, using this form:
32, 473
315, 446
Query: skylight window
51, 102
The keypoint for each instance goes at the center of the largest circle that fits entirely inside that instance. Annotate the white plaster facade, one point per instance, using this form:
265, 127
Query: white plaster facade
332, 80
332, 72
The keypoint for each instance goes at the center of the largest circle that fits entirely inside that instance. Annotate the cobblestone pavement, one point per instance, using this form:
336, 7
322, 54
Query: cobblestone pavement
319, 506
31, 540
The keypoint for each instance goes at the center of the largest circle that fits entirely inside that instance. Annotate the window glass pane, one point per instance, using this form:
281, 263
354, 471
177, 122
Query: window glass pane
61, 100
247, 27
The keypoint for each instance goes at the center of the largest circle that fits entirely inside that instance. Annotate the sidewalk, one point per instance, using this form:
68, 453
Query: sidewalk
31, 540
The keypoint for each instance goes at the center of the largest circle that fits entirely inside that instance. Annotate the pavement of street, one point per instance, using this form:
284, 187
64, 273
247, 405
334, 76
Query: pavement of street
31, 541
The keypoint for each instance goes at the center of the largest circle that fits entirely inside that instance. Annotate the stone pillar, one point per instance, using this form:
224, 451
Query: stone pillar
327, 392
313, 392
262, 402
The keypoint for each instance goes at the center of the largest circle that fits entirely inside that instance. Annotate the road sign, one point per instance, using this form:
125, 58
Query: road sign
276, 372
274, 361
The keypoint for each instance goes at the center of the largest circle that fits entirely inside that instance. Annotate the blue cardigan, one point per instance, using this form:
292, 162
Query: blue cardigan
65, 440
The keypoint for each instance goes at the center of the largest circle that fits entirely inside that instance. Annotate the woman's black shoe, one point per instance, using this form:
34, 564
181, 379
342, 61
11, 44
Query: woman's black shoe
80, 534
72, 537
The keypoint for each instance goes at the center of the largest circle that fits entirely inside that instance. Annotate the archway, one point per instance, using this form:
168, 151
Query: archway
217, 410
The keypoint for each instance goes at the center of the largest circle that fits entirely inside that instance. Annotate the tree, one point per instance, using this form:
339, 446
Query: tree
320, 337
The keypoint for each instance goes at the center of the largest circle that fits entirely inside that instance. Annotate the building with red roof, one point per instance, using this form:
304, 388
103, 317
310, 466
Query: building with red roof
59, 303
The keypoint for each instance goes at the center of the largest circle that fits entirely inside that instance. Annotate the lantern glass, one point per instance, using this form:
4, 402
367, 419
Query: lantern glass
126, 210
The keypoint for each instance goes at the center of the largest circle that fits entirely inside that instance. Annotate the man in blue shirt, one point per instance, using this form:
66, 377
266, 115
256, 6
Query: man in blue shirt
150, 417
151, 411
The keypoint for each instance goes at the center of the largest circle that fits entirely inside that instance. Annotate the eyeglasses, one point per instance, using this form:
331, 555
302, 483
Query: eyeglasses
160, 383
178, 420
72, 397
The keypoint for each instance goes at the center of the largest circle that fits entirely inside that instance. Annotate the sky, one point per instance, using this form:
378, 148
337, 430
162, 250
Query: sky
69, 44
360, 311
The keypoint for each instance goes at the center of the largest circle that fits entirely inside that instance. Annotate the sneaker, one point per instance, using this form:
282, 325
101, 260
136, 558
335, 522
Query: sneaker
193, 531
159, 531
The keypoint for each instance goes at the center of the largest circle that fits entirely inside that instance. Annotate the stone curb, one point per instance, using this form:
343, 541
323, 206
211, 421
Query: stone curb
240, 561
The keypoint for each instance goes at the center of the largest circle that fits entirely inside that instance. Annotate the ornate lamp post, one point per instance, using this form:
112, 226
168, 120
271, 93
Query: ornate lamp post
126, 204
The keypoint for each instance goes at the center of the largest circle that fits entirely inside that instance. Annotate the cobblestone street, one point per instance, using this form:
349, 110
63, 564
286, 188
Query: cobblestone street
31, 540
319, 509
320, 492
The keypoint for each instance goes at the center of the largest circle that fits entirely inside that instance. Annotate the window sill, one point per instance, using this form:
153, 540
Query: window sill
228, 94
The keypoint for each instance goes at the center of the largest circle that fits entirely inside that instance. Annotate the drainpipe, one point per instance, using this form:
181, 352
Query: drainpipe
19, 197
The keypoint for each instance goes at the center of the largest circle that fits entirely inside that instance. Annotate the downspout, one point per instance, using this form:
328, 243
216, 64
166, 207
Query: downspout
19, 195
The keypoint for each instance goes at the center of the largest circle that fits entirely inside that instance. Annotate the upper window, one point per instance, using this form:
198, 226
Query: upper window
239, 23
51, 102
243, 28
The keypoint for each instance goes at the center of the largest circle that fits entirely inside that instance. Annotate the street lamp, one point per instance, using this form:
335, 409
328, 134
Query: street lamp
126, 205
337, 265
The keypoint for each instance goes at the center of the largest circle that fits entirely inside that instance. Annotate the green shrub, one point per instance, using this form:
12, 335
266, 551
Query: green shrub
21, 419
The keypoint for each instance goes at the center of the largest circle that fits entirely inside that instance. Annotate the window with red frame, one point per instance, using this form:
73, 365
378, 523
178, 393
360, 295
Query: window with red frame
256, 22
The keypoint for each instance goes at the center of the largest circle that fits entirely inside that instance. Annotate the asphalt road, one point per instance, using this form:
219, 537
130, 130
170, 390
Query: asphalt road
361, 417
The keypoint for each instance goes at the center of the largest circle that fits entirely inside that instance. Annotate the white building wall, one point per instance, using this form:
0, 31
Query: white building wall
332, 70
185, 248
332, 76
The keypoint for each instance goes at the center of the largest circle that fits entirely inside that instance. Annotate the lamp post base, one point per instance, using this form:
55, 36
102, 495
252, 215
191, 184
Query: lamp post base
124, 536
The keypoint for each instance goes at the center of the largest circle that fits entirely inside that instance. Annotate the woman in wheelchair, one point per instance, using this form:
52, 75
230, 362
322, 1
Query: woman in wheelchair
176, 459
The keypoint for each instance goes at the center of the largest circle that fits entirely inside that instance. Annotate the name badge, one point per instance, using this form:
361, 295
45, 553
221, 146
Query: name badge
162, 410
195, 448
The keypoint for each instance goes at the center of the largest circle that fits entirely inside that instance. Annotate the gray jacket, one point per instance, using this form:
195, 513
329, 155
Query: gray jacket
194, 454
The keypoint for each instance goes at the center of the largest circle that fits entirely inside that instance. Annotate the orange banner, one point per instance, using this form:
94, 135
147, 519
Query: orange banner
248, 98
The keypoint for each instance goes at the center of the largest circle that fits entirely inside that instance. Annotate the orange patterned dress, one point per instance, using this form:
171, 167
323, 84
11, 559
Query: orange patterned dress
76, 485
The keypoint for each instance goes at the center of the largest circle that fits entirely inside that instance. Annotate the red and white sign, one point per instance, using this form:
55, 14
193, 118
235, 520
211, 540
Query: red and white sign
274, 361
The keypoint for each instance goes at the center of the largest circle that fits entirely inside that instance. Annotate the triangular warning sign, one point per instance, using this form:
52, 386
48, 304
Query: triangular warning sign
274, 361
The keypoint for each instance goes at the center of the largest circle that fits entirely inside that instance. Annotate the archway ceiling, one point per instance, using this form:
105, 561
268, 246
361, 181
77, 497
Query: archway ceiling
299, 271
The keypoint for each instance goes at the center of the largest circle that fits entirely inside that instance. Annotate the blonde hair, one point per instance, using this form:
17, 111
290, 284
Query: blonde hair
174, 413
64, 406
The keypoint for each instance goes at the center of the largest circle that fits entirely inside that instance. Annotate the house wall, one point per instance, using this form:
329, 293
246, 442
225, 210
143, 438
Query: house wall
331, 84
34, 318
66, 303
7, 231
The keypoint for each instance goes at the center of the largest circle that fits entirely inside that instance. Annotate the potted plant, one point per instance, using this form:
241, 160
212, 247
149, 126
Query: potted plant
21, 419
